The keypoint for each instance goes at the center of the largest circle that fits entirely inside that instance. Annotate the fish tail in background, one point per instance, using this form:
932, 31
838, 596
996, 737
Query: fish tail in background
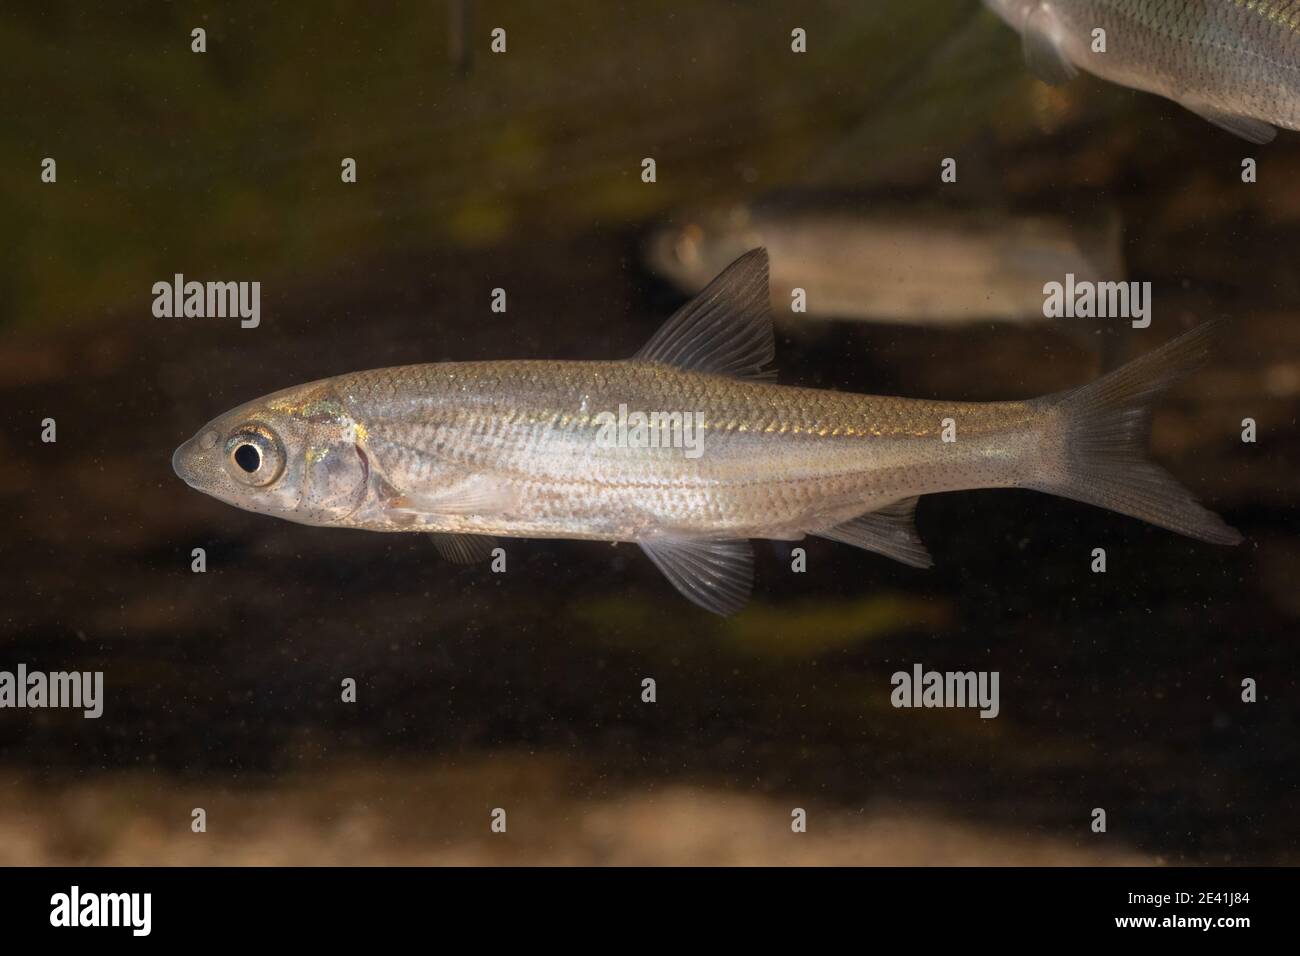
1099, 243
1098, 454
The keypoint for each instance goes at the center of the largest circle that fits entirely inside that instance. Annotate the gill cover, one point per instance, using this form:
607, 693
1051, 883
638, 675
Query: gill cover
335, 469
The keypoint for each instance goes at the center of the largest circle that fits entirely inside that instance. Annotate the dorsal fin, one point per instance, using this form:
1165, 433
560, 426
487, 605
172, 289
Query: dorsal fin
726, 329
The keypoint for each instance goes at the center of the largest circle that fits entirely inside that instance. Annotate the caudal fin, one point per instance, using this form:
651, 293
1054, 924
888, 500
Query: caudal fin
1099, 455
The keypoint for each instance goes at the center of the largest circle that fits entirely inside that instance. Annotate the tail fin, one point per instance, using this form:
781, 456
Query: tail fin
1100, 455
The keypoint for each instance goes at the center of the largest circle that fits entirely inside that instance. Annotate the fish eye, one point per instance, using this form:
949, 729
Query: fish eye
248, 458
254, 455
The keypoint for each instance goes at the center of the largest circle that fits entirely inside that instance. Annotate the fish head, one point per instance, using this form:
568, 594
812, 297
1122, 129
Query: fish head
691, 254
296, 454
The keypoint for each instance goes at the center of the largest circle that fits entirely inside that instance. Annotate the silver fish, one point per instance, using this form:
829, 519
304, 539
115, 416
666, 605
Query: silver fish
923, 266
470, 450
1234, 62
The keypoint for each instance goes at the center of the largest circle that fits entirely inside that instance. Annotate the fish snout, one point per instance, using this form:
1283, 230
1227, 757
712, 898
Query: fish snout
191, 457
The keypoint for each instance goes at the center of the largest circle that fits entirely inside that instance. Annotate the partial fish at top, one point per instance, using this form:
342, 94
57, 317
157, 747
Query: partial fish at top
468, 450
1234, 62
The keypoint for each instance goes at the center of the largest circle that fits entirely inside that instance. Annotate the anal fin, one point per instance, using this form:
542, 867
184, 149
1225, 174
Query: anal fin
890, 531
1247, 127
713, 573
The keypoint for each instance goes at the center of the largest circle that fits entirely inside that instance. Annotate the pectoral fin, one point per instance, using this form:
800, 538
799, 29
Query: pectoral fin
464, 548
890, 531
479, 495
1041, 37
715, 574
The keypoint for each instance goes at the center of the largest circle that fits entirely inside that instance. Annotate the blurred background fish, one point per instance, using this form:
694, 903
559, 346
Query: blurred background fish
880, 261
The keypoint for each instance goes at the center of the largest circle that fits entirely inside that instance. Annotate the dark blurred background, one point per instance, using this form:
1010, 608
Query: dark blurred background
522, 691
